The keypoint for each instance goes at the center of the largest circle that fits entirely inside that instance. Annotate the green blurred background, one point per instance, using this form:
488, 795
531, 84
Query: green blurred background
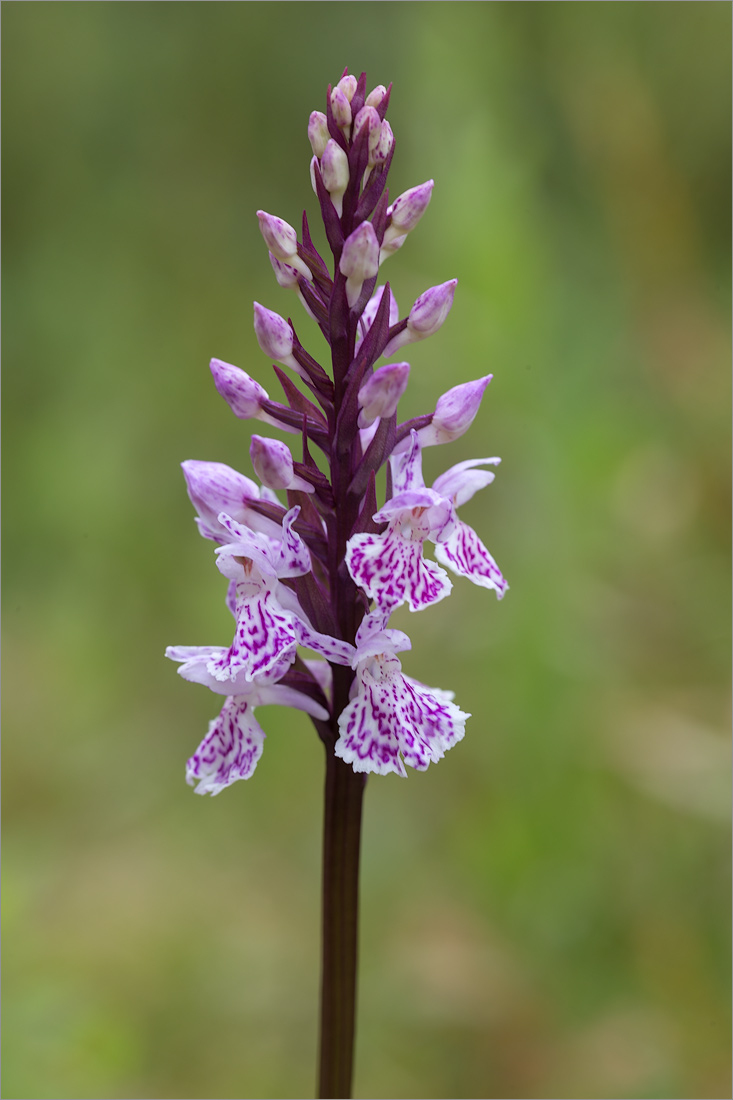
545, 914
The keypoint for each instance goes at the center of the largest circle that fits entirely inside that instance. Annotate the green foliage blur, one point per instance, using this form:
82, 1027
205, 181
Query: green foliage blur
545, 913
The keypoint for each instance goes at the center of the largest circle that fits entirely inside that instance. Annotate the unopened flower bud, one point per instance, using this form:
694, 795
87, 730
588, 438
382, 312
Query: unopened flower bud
369, 119
348, 84
426, 316
274, 335
280, 237
318, 132
454, 413
384, 145
286, 274
243, 395
273, 465
405, 212
370, 312
282, 240
335, 173
341, 108
379, 395
376, 96
431, 309
359, 259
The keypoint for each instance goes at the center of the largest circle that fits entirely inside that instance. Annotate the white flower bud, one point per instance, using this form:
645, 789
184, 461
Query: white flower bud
318, 132
341, 108
376, 96
359, 259
348, 84
335, 173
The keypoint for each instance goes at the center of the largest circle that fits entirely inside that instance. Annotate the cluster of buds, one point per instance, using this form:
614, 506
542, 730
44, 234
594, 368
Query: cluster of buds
323, 569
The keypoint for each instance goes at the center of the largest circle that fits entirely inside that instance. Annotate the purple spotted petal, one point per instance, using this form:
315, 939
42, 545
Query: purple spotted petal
229, 751
393, 714
264, 635
368, 728
333, 649
293, 557
464, 553
406, 466
373, 638
213, 488
392, 570
429, 723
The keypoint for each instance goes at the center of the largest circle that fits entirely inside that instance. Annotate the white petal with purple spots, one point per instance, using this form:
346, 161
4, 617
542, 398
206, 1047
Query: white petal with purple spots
392, 570
229, 751
392, 714
334, 650
264, 636
464, 553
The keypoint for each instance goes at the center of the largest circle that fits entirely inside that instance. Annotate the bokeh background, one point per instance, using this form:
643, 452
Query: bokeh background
545, 913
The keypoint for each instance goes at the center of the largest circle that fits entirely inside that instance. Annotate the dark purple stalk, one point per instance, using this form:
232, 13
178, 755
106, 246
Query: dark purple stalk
344, 790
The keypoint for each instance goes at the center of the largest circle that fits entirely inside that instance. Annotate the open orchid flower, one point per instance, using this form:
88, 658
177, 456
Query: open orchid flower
234, 741
390, 566
393, 720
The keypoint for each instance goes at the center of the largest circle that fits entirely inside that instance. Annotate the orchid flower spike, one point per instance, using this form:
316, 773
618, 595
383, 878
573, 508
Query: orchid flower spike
320, 548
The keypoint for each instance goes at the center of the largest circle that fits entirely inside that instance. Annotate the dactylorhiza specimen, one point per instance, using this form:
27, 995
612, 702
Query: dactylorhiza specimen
314, 560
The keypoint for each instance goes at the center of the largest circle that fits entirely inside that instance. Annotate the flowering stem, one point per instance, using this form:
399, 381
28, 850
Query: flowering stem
341, 842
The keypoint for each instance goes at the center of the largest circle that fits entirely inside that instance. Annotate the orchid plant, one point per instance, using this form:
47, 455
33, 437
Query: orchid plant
324, 570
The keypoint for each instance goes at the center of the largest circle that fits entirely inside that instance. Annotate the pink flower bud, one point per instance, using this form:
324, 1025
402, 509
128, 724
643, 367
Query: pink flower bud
348, 84
431, 309
341, 108
274, 335
273, 465
370, 120
359, 259
272, 461
406, 212
243, 395
379, 395
454, 413
335, 173
318, 132
376, 96
426, 316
